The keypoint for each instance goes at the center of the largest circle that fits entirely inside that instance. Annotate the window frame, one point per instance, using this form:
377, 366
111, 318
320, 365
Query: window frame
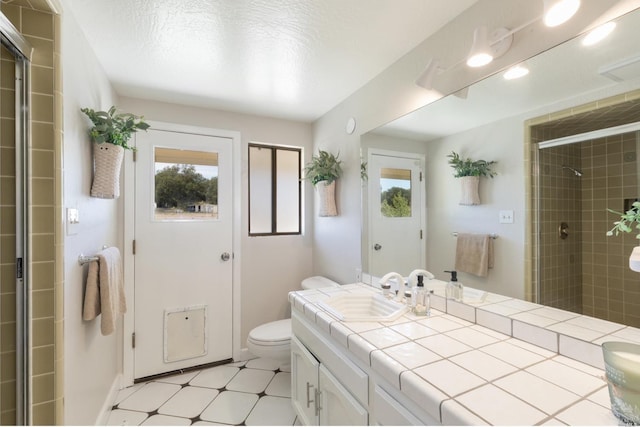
274, 189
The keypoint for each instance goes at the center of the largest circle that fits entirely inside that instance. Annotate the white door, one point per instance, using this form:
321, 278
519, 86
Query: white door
183, 251
396, 214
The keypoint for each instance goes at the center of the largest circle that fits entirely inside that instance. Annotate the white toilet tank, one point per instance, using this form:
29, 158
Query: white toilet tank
317, 282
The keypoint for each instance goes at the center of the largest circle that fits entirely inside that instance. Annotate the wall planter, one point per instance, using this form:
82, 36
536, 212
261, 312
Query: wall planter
110, 134
323, 171
107, 160
327, 193
469, 189
469, 171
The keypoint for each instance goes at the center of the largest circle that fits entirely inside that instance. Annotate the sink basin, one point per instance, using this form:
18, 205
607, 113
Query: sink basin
363, 307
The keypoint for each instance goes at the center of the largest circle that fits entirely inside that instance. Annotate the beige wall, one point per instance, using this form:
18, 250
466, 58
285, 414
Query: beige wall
92, 362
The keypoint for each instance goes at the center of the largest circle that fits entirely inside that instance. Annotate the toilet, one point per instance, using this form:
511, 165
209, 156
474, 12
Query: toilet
273, 340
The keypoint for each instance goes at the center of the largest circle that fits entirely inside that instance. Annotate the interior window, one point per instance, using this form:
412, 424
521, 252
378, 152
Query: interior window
274, 190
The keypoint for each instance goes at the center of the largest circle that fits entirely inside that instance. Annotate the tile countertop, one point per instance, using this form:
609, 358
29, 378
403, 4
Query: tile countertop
491, 360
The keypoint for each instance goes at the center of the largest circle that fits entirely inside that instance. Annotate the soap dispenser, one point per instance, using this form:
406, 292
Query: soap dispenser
421, 299
454, 289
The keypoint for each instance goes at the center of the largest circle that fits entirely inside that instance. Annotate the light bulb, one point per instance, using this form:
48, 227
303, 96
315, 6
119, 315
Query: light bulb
598, 34
516, 72
559, 11
481, 53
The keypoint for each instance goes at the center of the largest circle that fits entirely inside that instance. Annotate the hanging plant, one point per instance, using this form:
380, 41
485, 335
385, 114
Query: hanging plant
110, 136
470, 171
323, 171
468, 167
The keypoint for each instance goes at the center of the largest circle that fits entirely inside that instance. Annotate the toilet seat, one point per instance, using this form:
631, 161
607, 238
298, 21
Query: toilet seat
273, 340
272, 333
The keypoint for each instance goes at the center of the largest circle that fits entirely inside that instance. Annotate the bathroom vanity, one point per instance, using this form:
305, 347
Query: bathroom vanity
487, 360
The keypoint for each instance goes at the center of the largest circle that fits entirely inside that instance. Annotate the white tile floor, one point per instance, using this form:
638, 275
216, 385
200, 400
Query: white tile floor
256, 392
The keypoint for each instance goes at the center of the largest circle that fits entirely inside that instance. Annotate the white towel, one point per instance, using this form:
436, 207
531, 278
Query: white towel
474, 254
104, 293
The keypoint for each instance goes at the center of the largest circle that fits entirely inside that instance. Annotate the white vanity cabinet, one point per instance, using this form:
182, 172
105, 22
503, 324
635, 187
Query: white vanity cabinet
317, 396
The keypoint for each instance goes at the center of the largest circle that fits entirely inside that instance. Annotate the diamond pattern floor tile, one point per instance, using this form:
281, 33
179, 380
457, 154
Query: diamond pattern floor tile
256, 392
272, 411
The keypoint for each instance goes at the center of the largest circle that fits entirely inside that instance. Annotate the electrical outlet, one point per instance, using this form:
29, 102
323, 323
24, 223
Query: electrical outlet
506, 217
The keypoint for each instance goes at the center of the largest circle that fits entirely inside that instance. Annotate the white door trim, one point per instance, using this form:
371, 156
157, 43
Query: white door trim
423, 206
129, 220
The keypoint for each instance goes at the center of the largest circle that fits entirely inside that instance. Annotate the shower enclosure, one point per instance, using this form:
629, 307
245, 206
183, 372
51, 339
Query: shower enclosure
15, 357
581, 173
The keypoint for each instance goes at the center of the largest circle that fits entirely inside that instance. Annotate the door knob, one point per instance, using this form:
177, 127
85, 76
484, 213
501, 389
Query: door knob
225, 256
377, 246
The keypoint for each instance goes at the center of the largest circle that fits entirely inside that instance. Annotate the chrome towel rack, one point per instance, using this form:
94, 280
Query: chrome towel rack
492, 235
84, 259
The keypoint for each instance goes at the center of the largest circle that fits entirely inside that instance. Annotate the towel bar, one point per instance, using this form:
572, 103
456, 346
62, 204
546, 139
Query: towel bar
492, 235
83, 259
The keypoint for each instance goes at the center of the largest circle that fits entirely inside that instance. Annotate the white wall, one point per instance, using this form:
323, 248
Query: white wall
91, 361
392, 93
270, 266
501, 141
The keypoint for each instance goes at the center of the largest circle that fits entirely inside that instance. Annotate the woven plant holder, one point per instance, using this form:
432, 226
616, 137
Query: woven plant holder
107, 160
327, 194
469, 185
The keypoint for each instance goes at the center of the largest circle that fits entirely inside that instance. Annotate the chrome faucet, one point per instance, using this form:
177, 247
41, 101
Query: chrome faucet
397, 276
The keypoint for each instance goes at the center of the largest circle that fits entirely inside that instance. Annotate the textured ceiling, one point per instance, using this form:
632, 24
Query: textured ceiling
293, 59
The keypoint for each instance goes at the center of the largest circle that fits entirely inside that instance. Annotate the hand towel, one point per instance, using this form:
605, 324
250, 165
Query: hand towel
104, 293
474, 254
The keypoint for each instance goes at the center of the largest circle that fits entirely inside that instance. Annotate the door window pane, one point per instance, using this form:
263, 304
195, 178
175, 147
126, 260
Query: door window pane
395, 196
186, 185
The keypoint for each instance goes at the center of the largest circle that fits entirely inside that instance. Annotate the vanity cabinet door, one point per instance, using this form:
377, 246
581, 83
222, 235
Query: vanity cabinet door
337, 405
387, 411
304, 383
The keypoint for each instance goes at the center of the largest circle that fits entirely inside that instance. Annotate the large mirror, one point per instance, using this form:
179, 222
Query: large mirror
542, 190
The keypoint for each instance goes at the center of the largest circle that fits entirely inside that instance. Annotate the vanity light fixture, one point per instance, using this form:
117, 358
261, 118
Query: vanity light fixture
516, 72
485, 49
558, 12
598, 34
425, 79
481, 53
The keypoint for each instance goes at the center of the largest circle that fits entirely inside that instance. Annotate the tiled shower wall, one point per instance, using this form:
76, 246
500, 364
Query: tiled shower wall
610, 289
38, 25
560, 202
588, 272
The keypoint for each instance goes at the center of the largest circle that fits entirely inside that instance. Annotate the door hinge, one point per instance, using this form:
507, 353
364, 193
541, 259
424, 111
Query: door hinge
420, 176
133, 340
135, 155
133, 247
420, 234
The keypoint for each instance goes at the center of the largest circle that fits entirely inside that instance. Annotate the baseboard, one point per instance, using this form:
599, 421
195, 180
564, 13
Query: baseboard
103, 416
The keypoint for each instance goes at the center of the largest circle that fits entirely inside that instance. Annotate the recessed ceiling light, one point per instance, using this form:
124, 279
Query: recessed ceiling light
598, 34
516, 72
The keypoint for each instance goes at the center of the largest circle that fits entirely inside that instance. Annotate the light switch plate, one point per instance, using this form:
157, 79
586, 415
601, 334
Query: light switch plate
73, 219
506, 217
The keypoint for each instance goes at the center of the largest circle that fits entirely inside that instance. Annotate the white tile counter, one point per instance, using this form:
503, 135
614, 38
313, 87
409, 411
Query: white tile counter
501, 361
